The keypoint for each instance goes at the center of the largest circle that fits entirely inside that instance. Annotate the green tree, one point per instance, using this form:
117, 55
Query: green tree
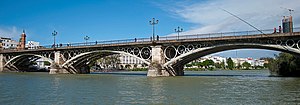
199, 64
111, 60
127, 66
47, 63
218, 65
230, 64
246, 65
188, 65
285, 65
266, 65
239, 66
222, 65
208, 64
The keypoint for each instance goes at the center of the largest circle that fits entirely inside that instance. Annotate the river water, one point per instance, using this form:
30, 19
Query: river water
199, 87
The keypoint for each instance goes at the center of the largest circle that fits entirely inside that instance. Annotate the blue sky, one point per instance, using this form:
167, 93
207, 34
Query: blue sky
99, 19
123, 19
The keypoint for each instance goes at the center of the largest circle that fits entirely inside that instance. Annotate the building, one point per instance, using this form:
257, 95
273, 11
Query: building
129, 62
236, 61
287, 24
8, 43
251, 61
32, 45
22, 41
216, 59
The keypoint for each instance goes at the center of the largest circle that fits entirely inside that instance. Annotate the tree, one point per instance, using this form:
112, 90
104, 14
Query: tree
222, 65
238, 67
218, 65
47, 63
135, 65
285, 65
189, 65
208, 64
127, 66
109, 61
266, 65
246, 65
230, 64
199, 64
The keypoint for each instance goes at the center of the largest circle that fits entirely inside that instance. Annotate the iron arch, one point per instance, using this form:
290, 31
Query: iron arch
88, 54
22, 56
200, 52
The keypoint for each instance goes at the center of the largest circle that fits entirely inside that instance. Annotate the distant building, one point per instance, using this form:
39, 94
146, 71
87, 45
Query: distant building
22, 41
251, 61
32, 45
216, 59
8, 43
287, 24
236, 61
129, 60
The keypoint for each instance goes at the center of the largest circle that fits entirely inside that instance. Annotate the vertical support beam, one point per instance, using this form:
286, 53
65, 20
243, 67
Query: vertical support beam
1, 62
157, 61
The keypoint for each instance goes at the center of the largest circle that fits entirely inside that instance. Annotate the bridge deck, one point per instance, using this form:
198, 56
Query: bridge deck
162, 40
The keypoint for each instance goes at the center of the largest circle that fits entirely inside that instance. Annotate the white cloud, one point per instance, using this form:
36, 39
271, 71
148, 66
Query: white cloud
10, 32
208, 17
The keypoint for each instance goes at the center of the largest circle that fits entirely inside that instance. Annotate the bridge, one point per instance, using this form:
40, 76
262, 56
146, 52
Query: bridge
165, 56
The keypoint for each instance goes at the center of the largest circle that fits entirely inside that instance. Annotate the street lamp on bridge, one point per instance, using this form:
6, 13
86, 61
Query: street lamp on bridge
153, 22
86, 38
54, 33
178, 30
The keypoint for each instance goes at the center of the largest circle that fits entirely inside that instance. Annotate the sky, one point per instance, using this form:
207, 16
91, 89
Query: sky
128, 19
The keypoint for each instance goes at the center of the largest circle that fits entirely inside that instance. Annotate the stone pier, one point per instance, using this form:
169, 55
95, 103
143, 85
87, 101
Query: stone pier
1, 63
55, 67
156, 67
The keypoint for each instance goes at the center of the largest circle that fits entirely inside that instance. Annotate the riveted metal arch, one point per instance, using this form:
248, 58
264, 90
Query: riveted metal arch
18, 56
167, 53
290, 43
189, 56
97, 51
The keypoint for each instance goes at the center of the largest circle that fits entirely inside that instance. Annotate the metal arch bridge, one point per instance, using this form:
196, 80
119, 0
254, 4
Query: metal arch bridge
165, 56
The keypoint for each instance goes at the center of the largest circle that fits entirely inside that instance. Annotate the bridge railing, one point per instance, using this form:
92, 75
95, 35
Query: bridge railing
162, 38
218, 35
98, 43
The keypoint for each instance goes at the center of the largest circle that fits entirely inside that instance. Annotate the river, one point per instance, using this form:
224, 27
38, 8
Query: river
197, 87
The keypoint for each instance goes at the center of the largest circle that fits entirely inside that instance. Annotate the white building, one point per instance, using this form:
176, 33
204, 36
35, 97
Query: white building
253, 62
32, 45
8, 43
129, 60
237, 61
216, 59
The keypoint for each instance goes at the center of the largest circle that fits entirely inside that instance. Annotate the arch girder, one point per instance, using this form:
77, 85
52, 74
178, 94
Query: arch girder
103, 51
197, 53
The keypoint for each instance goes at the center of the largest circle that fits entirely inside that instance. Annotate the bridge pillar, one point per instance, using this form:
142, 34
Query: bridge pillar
55, 67
179, 70
1, 62
157, 61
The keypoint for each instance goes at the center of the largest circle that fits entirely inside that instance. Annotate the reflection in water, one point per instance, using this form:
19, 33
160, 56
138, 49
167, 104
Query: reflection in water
226, 87
157, 90
54, 89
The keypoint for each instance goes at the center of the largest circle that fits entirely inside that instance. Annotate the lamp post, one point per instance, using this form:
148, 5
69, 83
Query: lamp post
86, 38
54, 33
153, 22
178, 30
